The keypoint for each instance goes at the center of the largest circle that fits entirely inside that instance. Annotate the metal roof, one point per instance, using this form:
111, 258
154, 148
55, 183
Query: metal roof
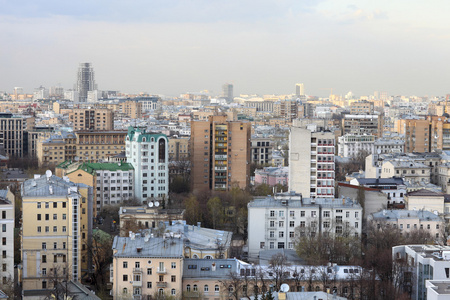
147, 247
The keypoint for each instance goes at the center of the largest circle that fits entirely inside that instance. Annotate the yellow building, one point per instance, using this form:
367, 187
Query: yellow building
178, 149
57, 222
92, 119
56, 149
97, 146
147, 266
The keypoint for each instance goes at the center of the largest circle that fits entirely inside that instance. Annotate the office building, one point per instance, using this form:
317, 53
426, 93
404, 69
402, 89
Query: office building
6, 236
12, 134
227, 90
92, 119
57, 223
299, 90
261, 150
148, 153
85, 81
272, 220
311, 161
220, 153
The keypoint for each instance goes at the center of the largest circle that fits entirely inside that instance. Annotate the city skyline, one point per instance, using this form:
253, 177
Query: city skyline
175, 47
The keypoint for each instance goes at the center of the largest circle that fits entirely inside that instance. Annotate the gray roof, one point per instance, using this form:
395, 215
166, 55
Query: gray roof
151, 247
3, 295
3, 194
296, 201
381, 181
210, 268
53, 186
266, 255
394, 215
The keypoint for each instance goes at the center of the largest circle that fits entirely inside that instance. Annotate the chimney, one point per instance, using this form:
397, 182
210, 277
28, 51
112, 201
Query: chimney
199, 225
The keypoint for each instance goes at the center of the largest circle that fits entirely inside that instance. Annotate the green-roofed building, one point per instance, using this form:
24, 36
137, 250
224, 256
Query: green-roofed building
112, 182
148, 153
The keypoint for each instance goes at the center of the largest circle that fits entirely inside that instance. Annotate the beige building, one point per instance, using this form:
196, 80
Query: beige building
92, 119
144, 267
56, 149
363, 124
363, 107
410, 220
178, 149
35, 135
425, 199
427, 135
57, 223
407, 169
132, 109
97, 146
220, 153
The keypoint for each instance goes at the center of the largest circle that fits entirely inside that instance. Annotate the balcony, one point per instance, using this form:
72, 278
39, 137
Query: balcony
137, 270
220, 157
161, 284
161, 271
137, 283
220, 168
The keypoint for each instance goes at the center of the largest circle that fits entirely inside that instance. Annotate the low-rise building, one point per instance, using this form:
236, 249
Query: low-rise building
272, 220
350, 145
272, 176
144, 266
261, 150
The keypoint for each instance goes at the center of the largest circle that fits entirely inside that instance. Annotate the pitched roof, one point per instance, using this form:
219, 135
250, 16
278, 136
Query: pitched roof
91, 168
425, 193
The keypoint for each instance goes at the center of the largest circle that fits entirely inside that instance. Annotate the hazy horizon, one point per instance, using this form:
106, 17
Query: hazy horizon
262, 47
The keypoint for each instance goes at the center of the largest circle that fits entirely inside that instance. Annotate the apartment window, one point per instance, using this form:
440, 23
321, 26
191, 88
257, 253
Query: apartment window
55, 228
64, 229
55, 204
326, 214
216, 288
291, 213
302, 224
272, 234
39, 229
38, 217
44, 258
161, 278
206, 288
47, 217
55, 217
291, 234
64, 245
64, 205
291, 224
3, 227
272, 224
356, 225
281, 213
44, 245
302, 213
281, 234
149, 271
262, 245
55, 245
39, 205
173, 278
125, 264
125, 277
149, 284
47, 205
64, 216
281, 224
173, 265
313, 214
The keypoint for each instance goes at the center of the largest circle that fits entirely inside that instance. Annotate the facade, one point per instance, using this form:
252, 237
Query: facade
423, 263
363, 124
98, 146
284, 212
286, 109
7, 236
426, 135
179, 149
92, 119
272, 176
133, 109
427, 200
261, 150
12, 134
363, 107
409, 170
56, 149
145, 266
113, 183
410, 220
56, 229
299, 89
85, 81
389, 145
220, 153
311, 162
148, 154
36, 134
350, 145
227, 90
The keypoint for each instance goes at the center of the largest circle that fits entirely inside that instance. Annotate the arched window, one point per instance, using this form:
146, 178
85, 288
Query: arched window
195, 256
162, 150
161, 292
317, 288
188, 288
144, 139
208, 257
206, 288
216, 288
230, 288
173, 292
195, 288
125, 290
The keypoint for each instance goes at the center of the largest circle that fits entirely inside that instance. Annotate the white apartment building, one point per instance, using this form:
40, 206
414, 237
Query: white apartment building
350, 145
149, 155
389, 145
272, 220
311, 161
6, 236
425, 262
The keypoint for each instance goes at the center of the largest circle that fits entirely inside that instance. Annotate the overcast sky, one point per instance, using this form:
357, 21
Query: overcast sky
266, 46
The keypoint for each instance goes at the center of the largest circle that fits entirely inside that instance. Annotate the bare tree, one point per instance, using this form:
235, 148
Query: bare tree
280, 269
233, 283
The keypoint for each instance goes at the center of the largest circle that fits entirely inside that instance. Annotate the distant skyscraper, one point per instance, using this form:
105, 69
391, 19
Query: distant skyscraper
227, 89
299, 89
85, 81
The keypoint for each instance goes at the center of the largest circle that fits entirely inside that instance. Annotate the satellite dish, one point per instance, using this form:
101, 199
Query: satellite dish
150, 204
156, 203
48, 173
284, 288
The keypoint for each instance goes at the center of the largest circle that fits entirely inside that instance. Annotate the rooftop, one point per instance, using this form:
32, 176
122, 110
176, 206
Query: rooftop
147, 247
211, 268
49, 186
394, 215
91, 168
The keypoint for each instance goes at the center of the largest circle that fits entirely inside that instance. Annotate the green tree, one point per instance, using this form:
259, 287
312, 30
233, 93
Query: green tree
215, 210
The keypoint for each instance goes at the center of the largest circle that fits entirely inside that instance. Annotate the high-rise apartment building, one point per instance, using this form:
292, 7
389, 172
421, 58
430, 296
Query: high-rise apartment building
227, 90
299, 90
57, 223
429, 135
220, 153
12, 134
92, 119
85, 81
148, 154
6, 237
311, 161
